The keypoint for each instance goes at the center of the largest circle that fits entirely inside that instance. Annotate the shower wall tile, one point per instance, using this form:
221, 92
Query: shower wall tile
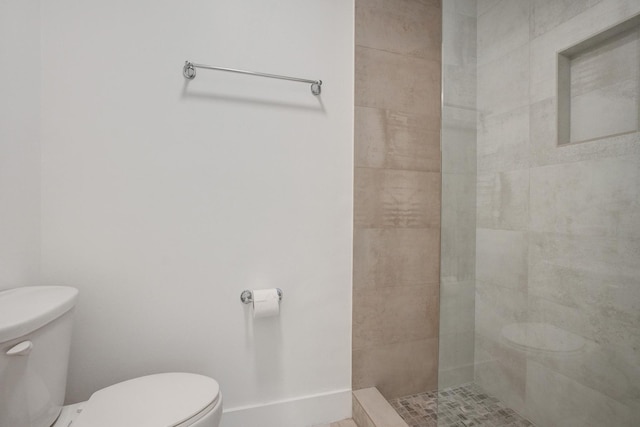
386, 316
570, 268
397, 82
386, 198
485, 6
395, 257
461, 7
398, 369
459, 45
501, 258
457, 308
409, 27
604, 14
501, 371
503, 29
456, 350
458, 140
598, 198
460, 86
505, 83
503, 141
548, 14
396, 140
544, 149
458, 228
397, 195
554, 399
503, 200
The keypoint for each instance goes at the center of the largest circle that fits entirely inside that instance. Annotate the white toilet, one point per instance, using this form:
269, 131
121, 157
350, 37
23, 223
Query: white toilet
35, 335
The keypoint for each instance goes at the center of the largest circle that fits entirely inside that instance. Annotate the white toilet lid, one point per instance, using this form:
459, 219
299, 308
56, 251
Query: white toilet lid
161, 400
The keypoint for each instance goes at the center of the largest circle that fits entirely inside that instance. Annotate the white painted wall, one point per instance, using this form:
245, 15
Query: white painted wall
19, 142
163, 199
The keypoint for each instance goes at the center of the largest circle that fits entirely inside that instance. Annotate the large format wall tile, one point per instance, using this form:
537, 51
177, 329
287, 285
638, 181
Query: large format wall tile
398, 369
502, 29
503, 84
503, 200
396, 269
503, 140
544, 148
501, 258
390, 315
554, 399
408, 27
396, 82
396, 140
548, 14
386, 198
395, 257
598, 198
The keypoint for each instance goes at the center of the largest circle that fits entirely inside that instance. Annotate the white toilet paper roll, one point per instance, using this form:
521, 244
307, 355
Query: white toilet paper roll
266, 303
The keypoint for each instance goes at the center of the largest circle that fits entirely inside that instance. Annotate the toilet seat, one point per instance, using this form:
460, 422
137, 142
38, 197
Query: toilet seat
161, 400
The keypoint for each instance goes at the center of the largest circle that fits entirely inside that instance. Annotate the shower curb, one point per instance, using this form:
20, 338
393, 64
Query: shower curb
371, 409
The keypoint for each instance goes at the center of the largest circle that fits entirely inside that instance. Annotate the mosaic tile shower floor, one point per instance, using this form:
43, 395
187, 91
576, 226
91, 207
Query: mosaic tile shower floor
463, 406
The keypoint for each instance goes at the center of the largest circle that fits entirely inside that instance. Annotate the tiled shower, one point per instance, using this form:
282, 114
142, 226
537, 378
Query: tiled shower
534, 206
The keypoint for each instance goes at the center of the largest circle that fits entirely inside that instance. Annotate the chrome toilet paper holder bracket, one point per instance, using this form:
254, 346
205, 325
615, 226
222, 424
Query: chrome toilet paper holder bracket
247, 296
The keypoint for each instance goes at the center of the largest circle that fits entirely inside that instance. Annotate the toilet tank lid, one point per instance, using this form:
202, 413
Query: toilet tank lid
23, 310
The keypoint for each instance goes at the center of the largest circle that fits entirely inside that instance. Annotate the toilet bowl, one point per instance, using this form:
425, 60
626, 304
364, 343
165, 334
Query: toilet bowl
170, 399
35, 336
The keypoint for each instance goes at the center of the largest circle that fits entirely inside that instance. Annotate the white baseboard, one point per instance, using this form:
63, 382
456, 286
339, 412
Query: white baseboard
304, 411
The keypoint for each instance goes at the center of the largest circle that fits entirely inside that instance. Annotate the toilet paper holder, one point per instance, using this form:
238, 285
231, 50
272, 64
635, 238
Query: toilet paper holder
247, 296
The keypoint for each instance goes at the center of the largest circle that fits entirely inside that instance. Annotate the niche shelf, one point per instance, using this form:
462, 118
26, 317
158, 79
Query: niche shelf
599, 85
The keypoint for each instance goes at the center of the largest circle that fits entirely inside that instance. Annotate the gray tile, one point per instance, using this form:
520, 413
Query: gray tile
503, 84
501, 258
503, 29
548, 14
503, 200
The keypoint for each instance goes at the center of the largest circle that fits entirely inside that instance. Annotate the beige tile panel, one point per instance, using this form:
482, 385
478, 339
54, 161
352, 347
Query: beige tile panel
396, 82
395, 257
399, 369
388, 139
408, 27
391, 315
379, 411
386, 198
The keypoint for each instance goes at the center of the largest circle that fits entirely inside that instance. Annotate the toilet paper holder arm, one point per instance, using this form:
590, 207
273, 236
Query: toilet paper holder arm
247, 296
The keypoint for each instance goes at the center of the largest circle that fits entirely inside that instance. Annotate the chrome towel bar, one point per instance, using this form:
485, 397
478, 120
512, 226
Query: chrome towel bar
247, 296
189, 71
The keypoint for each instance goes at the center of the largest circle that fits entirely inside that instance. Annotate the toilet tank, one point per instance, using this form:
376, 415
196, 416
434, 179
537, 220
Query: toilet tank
35, 337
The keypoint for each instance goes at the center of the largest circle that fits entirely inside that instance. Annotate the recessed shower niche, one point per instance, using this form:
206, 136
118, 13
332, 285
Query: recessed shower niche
599, 85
